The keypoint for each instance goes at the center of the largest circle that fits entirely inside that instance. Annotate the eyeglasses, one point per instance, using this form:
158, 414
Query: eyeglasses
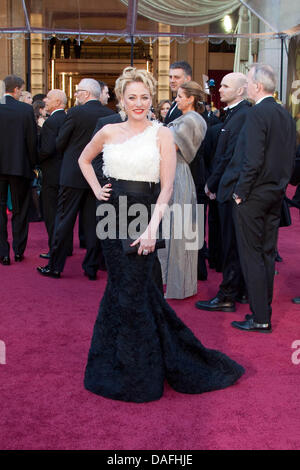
77, 91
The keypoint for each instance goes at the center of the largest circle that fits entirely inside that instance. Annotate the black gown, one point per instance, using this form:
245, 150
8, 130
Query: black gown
138, 341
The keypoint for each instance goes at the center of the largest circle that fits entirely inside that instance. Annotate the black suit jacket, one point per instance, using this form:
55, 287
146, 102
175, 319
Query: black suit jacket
232, 171
172, 114
74, 135
98, 161
269, 151
18, 149
226, 143
49, 156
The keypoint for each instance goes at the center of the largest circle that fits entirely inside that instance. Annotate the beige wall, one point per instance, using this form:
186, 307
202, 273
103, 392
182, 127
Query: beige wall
220, 61
5, 57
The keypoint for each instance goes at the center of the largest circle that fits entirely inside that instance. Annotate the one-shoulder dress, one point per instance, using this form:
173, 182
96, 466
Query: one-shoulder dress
138, 341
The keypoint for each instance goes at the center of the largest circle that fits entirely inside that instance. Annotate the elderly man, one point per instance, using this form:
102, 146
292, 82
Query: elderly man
51, 158
268, 157
180, 72
18, 156
232, 288
74, 192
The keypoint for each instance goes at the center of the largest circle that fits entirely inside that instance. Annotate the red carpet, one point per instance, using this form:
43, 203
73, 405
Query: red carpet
46, 325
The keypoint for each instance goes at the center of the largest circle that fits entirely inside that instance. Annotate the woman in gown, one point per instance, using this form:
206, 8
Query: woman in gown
138, 341
179, 263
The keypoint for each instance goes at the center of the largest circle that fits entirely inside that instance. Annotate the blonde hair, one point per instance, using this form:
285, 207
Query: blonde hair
192, 88
131, 74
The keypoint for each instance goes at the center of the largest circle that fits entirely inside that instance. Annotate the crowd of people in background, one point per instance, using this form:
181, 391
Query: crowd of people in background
224, 162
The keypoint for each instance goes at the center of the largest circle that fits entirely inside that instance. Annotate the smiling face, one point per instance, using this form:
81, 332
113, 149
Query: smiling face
136, 101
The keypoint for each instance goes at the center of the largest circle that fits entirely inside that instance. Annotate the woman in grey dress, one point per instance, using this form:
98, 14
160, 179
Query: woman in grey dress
179, 258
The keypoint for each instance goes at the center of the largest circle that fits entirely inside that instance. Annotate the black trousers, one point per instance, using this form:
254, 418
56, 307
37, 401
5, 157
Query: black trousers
20, 194
257, 222
214, 236
233, 283
50, 200
70, 200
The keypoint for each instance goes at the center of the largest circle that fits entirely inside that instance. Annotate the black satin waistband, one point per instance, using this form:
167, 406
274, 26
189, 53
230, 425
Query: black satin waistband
134, 186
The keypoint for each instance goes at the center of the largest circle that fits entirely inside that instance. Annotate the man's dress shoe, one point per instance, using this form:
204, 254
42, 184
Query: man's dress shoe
19, 258
45, 255
278, 257
5, 260
46, 271
251, 325
216, 305
296, 300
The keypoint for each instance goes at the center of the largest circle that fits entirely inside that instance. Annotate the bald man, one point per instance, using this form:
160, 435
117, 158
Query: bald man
51, 158
232, 288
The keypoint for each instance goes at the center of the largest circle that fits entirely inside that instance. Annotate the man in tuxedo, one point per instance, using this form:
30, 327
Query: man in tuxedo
51, 158
180, 72
74, 192
18, 155
232, 288
104, 97
268, 158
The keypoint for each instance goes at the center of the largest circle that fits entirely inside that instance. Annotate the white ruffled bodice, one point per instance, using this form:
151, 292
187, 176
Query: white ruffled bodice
136, 159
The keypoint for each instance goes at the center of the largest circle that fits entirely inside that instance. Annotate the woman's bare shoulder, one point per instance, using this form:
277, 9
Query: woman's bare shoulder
114, 127
164, 133
109, 131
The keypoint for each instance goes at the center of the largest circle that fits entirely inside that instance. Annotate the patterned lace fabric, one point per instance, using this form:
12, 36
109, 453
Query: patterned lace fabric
139, 342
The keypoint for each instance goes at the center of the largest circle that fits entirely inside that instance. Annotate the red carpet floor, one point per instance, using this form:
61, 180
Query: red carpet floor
46, 325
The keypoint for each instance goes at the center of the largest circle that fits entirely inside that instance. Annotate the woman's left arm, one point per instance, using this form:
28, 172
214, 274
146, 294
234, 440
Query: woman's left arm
167, 174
